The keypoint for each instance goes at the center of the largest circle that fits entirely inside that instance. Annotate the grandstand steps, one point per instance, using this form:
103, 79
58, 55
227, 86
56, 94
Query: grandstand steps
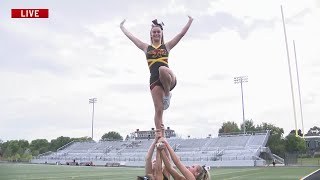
225, 150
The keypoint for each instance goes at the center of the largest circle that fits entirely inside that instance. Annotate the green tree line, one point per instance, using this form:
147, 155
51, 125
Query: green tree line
22, 150
277, 142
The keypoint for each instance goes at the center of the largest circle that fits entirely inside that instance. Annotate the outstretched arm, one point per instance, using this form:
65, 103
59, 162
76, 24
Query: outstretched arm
177, 38
148, 165
168, 165
141, 45
186, 173
165, 169
158, 165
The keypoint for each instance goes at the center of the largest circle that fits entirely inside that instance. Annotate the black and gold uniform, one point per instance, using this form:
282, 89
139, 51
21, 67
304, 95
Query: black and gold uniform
156, 57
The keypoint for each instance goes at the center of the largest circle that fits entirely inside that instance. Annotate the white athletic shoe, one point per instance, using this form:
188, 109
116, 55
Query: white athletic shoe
166, 101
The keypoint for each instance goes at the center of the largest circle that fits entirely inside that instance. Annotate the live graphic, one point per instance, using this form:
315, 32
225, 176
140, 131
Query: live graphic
29, 13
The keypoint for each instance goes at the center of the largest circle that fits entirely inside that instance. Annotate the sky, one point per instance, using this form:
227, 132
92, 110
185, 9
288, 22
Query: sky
49, 68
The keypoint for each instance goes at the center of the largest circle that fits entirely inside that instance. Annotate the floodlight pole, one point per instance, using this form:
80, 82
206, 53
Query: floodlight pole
290, 74
242, 79
92, 101
301, 113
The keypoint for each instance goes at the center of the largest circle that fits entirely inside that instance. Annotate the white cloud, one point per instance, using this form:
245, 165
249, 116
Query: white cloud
51, 67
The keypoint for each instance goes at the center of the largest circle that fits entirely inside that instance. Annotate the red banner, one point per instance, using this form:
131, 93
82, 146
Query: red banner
29, 13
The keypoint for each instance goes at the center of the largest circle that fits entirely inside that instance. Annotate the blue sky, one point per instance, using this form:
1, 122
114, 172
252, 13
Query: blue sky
51, 67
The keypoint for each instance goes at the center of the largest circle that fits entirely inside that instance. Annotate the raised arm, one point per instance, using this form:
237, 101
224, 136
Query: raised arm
141, 45
168, 165
158, 165
177, 38
165, 169
186, 173
148, 165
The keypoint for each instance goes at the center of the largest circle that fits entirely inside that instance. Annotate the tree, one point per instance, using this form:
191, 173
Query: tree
112, 135
59, 142
229, 127
14, 150
276, 141
17, 157
294, 132
14, 146
276, 131
82, 139
294, 144
249, 126
7, 151
1, 151
39, 146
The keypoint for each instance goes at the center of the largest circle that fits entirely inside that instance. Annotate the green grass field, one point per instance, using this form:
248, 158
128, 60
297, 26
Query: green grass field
308, 161
37, 172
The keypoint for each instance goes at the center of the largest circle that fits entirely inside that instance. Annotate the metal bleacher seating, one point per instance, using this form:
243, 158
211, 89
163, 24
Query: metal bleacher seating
221, 148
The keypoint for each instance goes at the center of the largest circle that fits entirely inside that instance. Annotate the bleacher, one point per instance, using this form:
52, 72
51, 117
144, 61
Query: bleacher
224, 150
